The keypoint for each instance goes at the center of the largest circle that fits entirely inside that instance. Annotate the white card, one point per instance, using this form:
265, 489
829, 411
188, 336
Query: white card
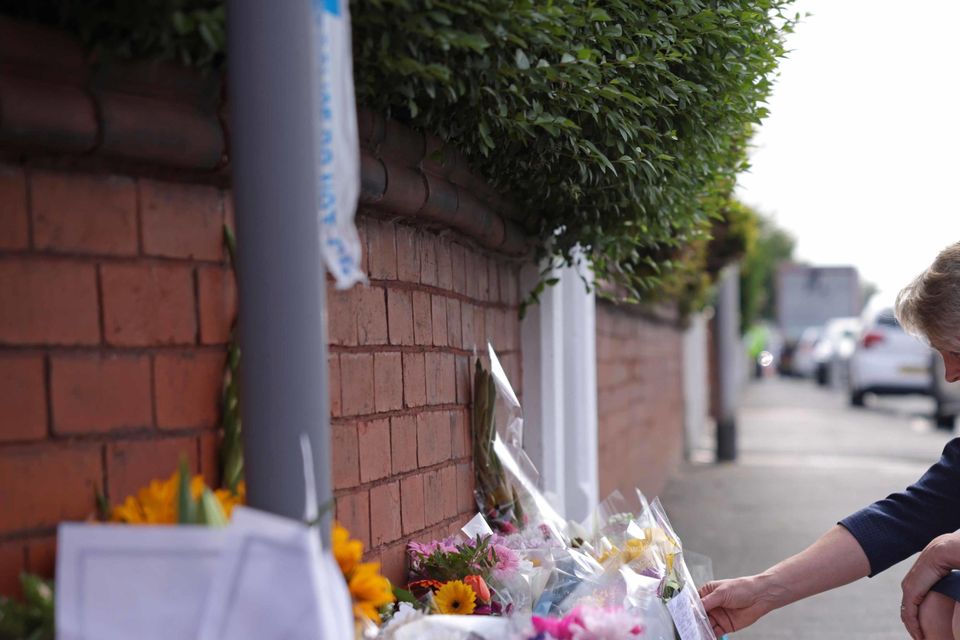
688, 615
275, 583
121, 581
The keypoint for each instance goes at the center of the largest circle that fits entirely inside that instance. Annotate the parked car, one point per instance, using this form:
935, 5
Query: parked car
832, 352
887, 360
946, 394
803, 364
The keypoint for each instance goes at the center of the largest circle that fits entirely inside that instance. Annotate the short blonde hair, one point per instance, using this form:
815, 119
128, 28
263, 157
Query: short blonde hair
930, 305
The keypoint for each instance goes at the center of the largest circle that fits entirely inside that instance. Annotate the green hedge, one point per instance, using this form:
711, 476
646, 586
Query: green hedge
617, 125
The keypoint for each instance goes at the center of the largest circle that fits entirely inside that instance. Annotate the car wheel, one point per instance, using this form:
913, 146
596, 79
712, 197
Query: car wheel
822, 375
856, 398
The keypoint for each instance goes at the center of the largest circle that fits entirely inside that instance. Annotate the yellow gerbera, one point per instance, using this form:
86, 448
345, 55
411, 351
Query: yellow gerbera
370, 591
347, 552
456, 597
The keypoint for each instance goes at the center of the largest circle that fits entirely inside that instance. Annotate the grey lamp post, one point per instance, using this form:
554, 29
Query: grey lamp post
281, 278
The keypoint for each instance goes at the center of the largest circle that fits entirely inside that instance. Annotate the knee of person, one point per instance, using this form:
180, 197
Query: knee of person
936, 617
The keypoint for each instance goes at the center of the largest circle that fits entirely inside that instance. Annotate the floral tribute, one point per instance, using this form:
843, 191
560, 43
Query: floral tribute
454, 577
370, 591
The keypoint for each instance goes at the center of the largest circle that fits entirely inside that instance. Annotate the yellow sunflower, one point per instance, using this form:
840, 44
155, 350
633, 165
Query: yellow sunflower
347, 552
370, 591
456, 597
156, 503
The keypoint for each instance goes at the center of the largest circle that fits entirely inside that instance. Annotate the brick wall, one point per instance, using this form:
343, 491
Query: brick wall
115, 307
640, 400
401, 366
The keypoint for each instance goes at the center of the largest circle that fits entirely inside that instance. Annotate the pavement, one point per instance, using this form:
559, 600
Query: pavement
806, 460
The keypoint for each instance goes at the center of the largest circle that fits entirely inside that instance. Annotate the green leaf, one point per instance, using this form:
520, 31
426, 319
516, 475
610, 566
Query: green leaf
521, 59
210, 511
186, 505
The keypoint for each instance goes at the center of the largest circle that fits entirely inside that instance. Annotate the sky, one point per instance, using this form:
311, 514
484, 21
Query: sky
860, 157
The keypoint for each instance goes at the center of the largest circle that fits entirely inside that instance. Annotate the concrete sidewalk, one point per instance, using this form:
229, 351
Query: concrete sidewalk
806, 460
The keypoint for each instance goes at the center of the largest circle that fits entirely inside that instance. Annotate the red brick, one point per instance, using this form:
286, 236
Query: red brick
438, 318
444, 265
400, 316
12, 563
383, 250
374, 444
458, 268
428, 259
132, 464
42, 556
422, 318
394, 564
411, 504
345, 456
448, 491
371, 315
509, 284
468, 334
84, 213
472, 267
414, 380
459, 434
403, 443
493, 280
98, 392
181, 220
432, 498
48, 302
388, 381
483, 277
480, 329
148, 304
14, 228
356, 383
40, 486
333, 378
187, 388
465, 484
408, 254
441, 378
464, 391
23, 397
342, 315
385, 523
210, 457
217, 296
454, 324
433, 438
353, 512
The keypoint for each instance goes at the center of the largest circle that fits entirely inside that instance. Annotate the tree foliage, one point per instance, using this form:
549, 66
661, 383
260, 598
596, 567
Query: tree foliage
614, 125
758, 271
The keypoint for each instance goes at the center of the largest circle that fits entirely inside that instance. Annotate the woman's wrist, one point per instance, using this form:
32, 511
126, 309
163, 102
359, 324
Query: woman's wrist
773, 593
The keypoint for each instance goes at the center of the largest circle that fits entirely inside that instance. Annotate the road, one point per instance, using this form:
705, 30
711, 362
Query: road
806, 461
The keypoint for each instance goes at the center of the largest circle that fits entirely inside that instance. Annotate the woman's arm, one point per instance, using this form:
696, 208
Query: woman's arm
834, 560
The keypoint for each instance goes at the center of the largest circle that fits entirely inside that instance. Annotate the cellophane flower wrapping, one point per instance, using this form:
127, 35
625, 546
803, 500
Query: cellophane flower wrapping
620, 573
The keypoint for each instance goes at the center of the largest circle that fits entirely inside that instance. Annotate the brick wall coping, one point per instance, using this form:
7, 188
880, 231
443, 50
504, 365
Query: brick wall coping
54, 102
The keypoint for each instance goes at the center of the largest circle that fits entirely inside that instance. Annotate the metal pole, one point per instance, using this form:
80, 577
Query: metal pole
279, 267
729, 355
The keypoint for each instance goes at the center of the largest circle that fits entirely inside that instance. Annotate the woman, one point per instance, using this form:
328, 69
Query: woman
924, 516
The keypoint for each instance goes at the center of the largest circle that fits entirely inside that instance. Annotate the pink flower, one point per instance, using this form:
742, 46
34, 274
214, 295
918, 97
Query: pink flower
559, 628
508, 562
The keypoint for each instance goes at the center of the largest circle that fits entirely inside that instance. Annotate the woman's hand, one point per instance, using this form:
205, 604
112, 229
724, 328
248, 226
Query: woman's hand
934, 562
735, 604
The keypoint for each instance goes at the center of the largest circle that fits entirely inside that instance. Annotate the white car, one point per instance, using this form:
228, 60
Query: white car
886, 360
833, 350
803, 363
